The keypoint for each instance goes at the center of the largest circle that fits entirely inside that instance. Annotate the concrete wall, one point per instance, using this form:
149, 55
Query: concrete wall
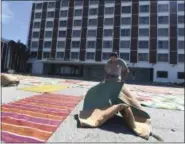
172, 72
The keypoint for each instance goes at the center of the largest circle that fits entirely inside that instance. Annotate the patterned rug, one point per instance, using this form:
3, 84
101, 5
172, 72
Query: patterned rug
161, 101
35, 119
45, 88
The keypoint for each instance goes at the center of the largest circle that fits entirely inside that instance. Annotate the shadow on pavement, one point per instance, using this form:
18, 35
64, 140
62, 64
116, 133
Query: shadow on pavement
114, 124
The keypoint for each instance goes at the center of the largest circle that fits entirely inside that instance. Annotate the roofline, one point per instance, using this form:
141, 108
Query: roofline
5, 40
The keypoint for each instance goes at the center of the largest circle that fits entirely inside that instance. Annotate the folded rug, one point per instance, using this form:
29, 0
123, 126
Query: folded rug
106, 99
8, 79
35, 119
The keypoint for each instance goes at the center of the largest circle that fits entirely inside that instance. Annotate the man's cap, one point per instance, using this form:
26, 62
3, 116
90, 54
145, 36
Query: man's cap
115, 54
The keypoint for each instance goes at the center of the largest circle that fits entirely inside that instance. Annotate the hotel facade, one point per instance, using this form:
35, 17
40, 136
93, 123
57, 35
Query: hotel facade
76, 37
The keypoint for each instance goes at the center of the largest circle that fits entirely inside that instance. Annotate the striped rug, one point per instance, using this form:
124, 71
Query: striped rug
35, 119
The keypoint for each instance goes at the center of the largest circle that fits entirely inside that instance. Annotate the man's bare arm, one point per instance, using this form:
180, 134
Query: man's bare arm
124, 73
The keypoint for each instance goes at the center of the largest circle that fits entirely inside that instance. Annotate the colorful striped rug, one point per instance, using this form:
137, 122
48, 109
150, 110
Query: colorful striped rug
35, 119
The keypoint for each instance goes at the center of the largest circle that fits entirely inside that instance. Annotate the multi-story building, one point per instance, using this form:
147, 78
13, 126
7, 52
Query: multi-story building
76, 37
6, 49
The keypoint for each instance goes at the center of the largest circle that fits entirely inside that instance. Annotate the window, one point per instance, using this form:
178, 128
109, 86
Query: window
109, 10
62, 33
125, 44
34, 44
93, 2
65, 3
105, 56
125, 32
63, 23
143, 32
162, 74
180, 31
50, 14
33, 55
181, 58
162, 44
108, 32
93, 11
144, 8
143, 57
90, 55
143, 44
49, 24
126, 9
78, 2
36, 25
92, 22
74, 55
126, 21
46, 54
91, 44
75, 44
76, 33
78, 12
162, 57
38, 6
47, 44
51, 5
107, 44
109, 21
181, 7
143, 20
162, 7
125, 56
181, 75
109, 1
60, 55
48, 34
181, 44
63, 13
162, 19
77, 23
162, 31
38, 15
35, 35
91, 33
61, 44
181, 19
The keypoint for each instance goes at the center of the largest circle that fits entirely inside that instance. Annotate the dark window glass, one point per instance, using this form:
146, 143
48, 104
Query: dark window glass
143, 32
162, 19
125, 44
90, 55
162, 74
143, 57
143, 20
162, 7
75, 44
108, 32
49, 24
126, 9
163, 32
62, 34
125, 32
46, 54
181, 75
144, 8
181, 58
125, 56
163, 44
93, 11
91, 44
47, 44
143, 44
74, 55
33, 55
162, 57
60, 55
